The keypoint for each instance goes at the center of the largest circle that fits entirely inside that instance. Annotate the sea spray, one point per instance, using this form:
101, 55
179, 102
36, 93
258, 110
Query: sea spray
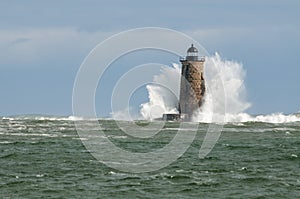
162, 99
226, 93
225, 98
274, 118
225, 82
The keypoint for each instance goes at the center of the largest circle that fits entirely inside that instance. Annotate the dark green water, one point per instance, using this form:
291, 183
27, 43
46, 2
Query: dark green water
45, 158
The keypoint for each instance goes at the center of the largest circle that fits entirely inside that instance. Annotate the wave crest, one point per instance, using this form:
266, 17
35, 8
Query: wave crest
224, 101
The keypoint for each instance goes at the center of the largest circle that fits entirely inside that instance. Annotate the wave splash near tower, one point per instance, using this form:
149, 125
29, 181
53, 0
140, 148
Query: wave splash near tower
232, 74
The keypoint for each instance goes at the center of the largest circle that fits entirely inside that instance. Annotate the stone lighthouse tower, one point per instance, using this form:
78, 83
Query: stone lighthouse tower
192, 85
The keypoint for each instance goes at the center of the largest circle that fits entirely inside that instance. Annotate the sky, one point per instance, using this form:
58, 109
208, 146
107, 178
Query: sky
43, 43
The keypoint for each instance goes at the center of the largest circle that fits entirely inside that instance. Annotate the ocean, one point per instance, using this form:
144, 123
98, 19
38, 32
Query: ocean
44, 157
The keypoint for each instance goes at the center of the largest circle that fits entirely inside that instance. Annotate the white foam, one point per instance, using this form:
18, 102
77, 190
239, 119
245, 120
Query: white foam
271, 118
162, 99
225, 99
44, 118
69, 118
7, 118
6, 142
225, 96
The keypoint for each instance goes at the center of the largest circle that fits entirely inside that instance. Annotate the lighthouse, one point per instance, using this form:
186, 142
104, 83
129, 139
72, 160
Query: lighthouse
192, 85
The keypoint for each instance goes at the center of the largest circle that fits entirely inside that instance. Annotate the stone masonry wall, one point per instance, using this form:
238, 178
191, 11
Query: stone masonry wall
192, 87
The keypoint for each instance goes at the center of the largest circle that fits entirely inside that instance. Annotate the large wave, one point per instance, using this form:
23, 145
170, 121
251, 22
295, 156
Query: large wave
225, 99
162, 99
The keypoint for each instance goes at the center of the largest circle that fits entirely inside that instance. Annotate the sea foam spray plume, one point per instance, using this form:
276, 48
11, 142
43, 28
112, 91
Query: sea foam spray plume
231, 94
162, 99
232, 75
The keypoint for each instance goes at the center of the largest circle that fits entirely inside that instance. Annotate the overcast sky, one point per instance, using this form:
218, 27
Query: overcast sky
43, 43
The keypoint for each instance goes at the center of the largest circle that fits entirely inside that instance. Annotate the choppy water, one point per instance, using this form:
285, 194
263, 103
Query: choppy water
44, 158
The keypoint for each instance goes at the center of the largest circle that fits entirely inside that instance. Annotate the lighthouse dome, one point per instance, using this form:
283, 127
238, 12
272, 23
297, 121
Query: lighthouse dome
192, 54
192, 49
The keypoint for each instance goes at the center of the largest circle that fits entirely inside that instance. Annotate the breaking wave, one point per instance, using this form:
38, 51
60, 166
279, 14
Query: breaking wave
225, 99
162, 99
271, 118
43, 118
